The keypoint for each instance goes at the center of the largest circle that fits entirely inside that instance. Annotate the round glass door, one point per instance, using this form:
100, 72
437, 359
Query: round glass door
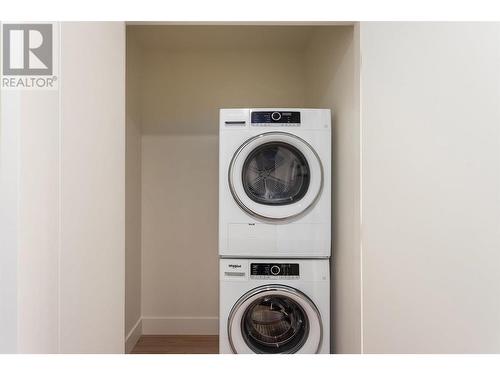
275, 319
275, 173
275, 176
275, 324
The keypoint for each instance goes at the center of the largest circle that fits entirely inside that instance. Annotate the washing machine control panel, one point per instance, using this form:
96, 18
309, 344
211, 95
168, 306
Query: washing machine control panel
274, 270
275, 118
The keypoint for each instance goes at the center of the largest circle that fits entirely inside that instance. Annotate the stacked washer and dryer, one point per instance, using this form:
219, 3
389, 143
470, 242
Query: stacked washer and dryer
274, 230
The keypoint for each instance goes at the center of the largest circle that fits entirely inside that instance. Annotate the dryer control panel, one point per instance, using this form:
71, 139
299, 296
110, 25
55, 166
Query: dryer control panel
280, 270
275, 118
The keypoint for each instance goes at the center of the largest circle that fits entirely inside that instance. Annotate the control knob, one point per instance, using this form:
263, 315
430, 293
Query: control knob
275, 270
276, 116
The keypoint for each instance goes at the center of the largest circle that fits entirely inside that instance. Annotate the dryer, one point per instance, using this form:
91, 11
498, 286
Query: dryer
275, 182
272, 306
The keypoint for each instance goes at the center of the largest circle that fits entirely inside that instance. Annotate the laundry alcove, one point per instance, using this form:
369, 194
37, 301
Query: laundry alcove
178, 77
425, 158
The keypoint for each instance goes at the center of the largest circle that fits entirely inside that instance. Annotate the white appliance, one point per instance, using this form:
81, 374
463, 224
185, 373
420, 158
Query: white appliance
274, 306
274, 182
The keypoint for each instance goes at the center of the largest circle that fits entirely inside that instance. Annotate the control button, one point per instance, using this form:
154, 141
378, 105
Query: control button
275, 270
276, 116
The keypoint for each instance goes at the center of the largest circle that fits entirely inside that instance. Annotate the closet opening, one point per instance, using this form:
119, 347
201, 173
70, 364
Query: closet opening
178, 77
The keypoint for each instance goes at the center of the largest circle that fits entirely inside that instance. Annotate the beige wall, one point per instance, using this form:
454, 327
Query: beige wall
182, 91
332, 81
133, 197
179, 238
431, 187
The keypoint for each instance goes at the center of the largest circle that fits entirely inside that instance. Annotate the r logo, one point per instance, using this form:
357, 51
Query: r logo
27, 49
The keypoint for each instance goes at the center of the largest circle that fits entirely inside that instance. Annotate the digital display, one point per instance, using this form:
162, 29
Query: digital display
275, 117
274, 269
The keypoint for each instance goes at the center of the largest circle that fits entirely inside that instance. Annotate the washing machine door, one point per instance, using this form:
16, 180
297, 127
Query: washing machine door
275, 319
275, 176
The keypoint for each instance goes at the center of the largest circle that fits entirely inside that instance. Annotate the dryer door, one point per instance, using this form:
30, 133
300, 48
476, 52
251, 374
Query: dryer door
275, 319
275, 176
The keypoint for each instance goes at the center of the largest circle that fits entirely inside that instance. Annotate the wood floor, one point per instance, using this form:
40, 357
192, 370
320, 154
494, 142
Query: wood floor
177, 344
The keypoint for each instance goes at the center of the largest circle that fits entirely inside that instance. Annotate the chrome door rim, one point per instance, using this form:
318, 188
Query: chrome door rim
272, 288
252, 212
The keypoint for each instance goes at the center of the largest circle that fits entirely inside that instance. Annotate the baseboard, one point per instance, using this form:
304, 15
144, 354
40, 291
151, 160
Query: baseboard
133, 336
180, 325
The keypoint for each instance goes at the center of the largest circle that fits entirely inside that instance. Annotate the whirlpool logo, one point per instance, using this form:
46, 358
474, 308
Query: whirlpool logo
28, 56
235, 266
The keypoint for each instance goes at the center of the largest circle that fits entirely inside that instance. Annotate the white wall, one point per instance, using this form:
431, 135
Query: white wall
431, 187
92, 262
29, 220
62, 181
38, 252
133, 198
9, 223
332, 72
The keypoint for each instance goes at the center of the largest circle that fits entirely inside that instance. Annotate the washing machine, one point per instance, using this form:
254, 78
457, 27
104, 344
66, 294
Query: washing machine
272, 306
275, 182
